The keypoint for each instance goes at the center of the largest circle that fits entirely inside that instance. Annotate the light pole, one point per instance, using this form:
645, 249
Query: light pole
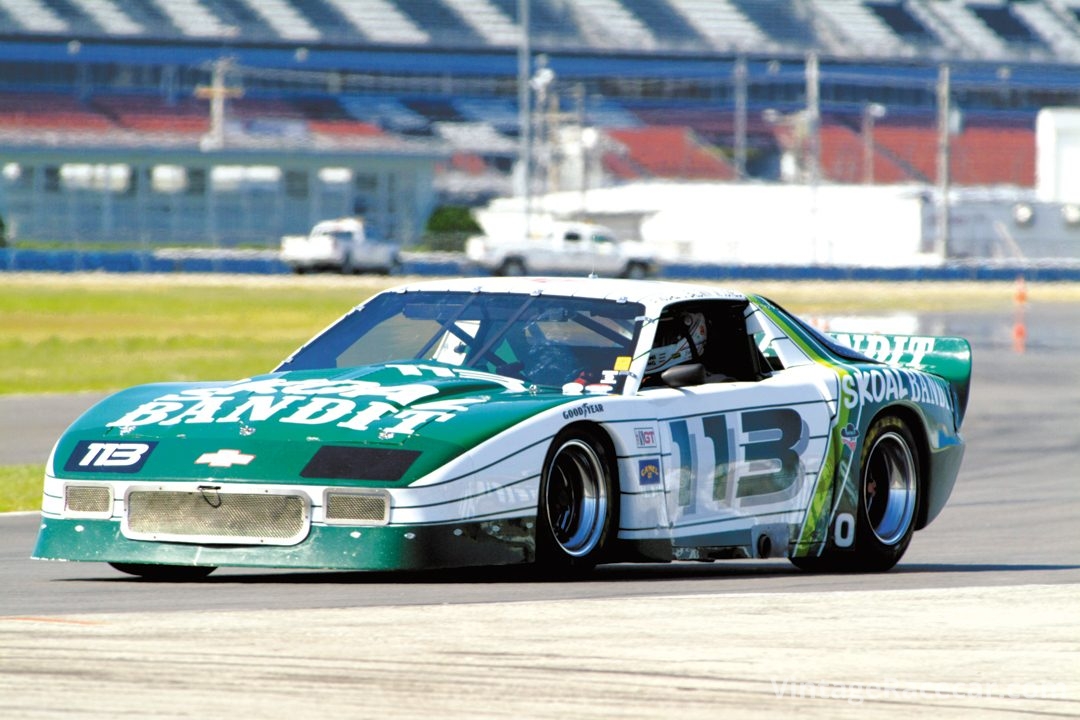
524, 115
871, 112
541, 83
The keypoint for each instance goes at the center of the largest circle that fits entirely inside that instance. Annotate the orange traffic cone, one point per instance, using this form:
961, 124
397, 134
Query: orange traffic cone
1021, 290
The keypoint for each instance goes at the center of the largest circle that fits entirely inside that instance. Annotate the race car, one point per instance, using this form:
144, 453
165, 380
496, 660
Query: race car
556, 421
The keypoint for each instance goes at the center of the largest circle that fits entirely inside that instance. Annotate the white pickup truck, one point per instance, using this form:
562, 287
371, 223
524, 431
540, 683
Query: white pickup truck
343, 245
568, 248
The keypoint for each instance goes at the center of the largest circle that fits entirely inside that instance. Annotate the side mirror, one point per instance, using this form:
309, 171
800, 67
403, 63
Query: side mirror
682, 375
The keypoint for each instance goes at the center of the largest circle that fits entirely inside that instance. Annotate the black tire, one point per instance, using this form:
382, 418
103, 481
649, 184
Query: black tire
165, 573
636, 271
348, 265
512, 267
578, 513
890, 492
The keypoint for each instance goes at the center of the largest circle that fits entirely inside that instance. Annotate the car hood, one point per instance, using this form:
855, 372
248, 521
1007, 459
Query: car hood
387, 424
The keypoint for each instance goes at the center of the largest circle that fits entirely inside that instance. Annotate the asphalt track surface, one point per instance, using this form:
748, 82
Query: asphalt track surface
980, 619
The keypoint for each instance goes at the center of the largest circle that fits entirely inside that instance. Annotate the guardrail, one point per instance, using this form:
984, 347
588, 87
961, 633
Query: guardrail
267, 263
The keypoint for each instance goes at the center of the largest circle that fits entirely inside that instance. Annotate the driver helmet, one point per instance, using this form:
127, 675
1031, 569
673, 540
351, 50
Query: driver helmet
670, 347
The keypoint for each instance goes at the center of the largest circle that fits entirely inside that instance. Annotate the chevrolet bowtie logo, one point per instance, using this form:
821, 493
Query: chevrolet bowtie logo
224, 458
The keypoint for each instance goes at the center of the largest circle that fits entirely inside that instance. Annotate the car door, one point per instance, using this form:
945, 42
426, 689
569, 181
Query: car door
735, 455
741, 450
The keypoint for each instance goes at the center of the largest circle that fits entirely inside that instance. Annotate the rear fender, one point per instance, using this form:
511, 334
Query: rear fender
947, 357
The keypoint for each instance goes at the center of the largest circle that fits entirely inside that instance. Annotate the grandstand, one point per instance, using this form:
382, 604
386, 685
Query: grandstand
997, 30
421, 97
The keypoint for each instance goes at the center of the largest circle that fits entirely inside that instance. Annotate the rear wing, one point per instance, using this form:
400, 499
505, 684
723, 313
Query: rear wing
946, 357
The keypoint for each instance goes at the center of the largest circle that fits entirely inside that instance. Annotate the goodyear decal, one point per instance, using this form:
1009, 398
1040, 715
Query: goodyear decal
583, 410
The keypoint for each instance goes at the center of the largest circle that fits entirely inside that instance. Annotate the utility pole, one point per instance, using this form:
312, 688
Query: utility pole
813, 147
217, 93
813, 119
944, 120
525, 115
739, 72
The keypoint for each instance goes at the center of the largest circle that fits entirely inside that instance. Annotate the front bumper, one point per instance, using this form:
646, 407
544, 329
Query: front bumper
390, 547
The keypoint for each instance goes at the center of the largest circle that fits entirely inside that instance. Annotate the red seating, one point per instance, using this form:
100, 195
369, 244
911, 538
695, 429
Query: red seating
986, 156
672, 152
351, 128
50, 111
843, 157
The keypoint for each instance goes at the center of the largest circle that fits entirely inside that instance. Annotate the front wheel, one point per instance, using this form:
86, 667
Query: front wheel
165, 573
578, 507
888, 502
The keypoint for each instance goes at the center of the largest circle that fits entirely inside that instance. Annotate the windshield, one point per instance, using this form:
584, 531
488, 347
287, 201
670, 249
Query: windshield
538, 339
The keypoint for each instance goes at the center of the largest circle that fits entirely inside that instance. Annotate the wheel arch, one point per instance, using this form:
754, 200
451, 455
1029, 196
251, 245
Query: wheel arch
917, 425
509, 261
598, 437
602, 435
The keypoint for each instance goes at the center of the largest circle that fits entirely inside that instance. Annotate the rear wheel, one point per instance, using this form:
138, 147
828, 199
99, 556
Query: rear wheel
578, 508
165, 573
889, 495
888, 503
512, 267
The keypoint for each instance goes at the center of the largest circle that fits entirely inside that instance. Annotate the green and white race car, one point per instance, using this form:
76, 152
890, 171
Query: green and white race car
562, 422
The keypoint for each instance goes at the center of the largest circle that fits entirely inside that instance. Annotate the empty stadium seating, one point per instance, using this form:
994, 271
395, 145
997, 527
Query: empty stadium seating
457, 56
970, 29
667, 152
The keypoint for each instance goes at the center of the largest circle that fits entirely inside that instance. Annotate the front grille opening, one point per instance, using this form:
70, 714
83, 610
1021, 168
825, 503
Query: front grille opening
338, 462
357, 508
208, 515
88, 500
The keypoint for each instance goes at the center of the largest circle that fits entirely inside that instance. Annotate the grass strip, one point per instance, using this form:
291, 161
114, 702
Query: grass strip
20, 487
83, 332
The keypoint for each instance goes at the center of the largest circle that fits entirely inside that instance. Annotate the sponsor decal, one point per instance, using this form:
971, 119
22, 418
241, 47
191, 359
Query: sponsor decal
583, 410
300, 402
224, 458
878, 385
889, 349
649, 471
622, 363
849, 435
92, 456
645, 437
